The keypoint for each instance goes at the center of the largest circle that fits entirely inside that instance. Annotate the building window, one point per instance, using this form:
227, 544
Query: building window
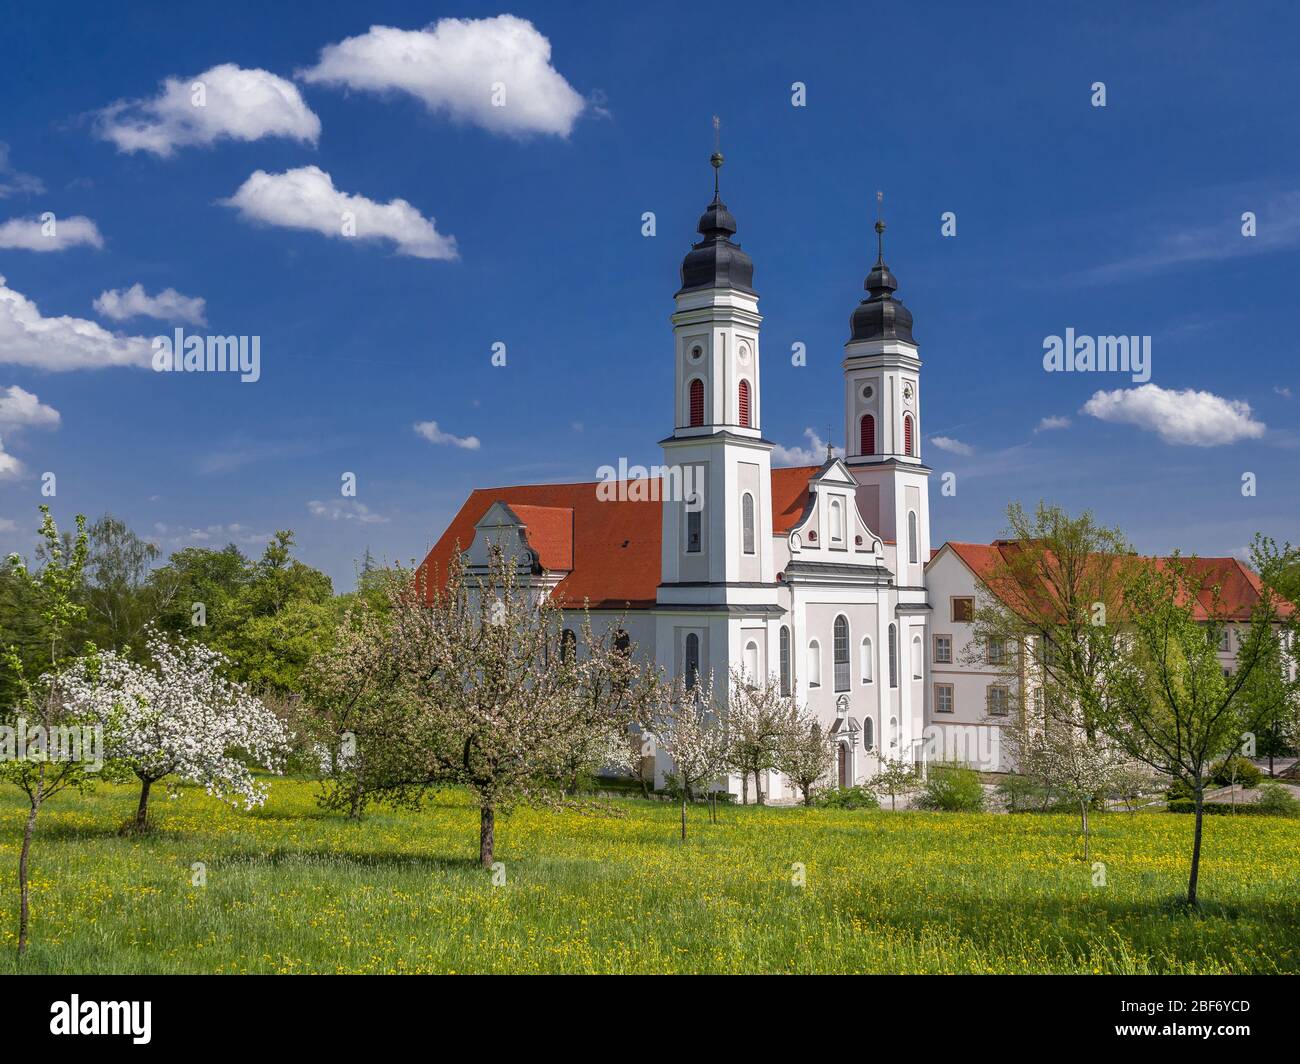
743, 403
785, 661
697, 402
868, 733
837, 521
694, 523
943, 698
1224, 638
814, 664
841, 648
913, 554
894, 735
999, 699
568, 645
623, 642
893, 655
867, 434
996, 652
908, 441
692, 659
747, 523
918, 658
943, 650
751, 661
963, 610
867, 667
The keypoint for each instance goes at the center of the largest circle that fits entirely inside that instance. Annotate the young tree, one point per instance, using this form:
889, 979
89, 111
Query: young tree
177, 719
685, 724
1171, 706
41, 710
805, 752
757, 716
897, 777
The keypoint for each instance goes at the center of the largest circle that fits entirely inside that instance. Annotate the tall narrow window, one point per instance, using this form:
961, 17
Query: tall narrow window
743, 404
814, 664
697, 402
867, 433
837, 521
918, 658
841, 653
907, 435
893, 655
913, 554
751, 661
623, 642
868, 733
692, 659
747, 523
867, 667
693, 524
568, 644
785, 660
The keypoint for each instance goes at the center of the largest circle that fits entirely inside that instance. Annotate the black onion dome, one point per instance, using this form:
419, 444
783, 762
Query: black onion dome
880, 316
716, 261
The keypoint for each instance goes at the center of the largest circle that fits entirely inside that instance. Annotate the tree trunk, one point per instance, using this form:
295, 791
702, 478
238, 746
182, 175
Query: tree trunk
142, 810
758, 787
487, 819
744, 788
1083, 813
24, 910
807, 796
683, 814
354, 808
1196, 851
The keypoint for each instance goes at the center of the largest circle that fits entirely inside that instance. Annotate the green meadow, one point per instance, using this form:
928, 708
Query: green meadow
611, 888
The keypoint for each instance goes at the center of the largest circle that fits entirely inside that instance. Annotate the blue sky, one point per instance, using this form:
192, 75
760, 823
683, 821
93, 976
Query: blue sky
1123, 219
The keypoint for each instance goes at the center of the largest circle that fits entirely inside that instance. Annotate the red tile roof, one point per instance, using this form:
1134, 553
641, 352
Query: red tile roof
1239, 587
610, 548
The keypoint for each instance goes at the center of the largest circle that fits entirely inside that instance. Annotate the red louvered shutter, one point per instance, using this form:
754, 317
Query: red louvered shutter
907, 435
744, 404
697, 402
868, 435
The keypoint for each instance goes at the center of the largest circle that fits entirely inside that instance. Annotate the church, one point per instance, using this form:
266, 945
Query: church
820, 575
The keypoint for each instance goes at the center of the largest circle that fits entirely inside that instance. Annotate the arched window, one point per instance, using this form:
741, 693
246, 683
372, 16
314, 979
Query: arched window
694, 523
867, 434
912, 551
917, 662
697, 402
837, 521
814, 664
751, 660
622, 642
893, 655
747, 523
868, 733
568, 644
743, 403
907, 435
692, 659
785, 660
841, 648
868, 666
894, 735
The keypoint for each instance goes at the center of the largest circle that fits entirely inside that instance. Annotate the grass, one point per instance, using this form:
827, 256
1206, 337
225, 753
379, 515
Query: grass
293, 889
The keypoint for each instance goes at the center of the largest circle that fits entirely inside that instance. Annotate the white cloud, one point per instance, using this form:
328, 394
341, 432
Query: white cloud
346, 510
57, 234
168, 305
952, 446
813, 454
8, 525
430, 431
1197, 419
1047, 424
455, 66
307, 199
1282, 390
14, 182
20, 409
10, 467
63, 343
237, 104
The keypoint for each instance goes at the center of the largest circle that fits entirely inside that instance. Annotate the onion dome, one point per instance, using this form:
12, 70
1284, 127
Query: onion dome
716, 261
880, 316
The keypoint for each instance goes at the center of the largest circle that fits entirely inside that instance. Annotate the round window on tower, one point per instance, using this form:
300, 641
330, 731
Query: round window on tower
743, 354
697, 353
868, 392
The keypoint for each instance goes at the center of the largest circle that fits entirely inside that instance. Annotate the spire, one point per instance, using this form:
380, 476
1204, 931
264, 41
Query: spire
716, 261
880, 316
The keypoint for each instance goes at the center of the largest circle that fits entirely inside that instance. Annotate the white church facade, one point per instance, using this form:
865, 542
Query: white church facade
817, 575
